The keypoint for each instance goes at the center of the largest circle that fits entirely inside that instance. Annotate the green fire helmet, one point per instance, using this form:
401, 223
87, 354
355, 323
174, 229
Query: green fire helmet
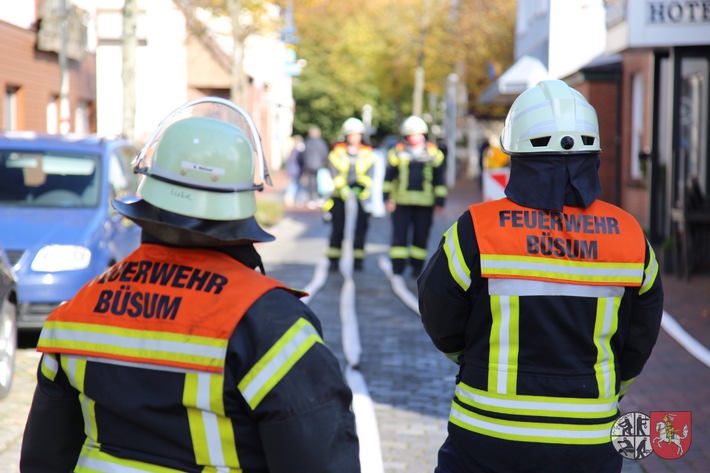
199, 170
353, 125
550, 117
413, 126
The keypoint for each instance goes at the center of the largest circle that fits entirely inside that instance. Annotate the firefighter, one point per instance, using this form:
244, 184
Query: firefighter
549, 299
412, 189
351, 165
185, 356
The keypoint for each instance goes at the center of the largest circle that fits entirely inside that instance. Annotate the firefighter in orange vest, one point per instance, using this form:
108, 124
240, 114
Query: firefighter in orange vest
351, 165
549, 299
185, 356
413, 189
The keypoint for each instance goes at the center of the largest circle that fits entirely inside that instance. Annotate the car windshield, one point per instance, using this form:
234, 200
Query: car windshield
48, 179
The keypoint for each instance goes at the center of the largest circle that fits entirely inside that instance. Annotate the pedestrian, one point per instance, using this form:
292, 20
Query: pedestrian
549, 299
315, 157
351, 165
413, 188
294, 165
185, 356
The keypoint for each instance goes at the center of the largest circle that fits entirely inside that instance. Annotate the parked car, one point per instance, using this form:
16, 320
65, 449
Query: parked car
8, 324
56, 220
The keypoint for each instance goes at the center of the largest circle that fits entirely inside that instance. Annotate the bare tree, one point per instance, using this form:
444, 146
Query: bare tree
129, 44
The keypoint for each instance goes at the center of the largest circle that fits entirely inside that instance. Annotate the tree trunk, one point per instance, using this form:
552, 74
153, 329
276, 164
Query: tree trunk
128, 72
238, 86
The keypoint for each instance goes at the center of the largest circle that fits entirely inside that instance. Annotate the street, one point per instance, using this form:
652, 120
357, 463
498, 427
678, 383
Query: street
409, 383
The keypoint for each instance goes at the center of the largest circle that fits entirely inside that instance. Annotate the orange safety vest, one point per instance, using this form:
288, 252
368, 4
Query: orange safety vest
599, 245
173, 307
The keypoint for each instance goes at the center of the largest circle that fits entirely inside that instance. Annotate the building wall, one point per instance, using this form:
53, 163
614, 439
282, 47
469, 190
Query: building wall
635, 192
37, 75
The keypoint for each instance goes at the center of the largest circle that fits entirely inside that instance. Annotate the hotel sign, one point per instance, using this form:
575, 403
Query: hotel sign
668, 22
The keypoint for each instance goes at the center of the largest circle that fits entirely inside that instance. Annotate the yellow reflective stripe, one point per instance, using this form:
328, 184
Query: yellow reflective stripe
441, 191
75, 369
278, 361
542, 432
540, 406
504, 342
359, 253
387, 186
49, 366
211, 431
334, 252
625, 385
605, 327
563, 270
417, 252
650, 272
457, 265
400, 252
92, 460
144, 344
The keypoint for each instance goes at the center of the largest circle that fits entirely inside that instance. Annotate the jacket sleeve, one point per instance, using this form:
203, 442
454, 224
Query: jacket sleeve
645, 322
54, 433
445, 288
391, 173
294, 389
439, 179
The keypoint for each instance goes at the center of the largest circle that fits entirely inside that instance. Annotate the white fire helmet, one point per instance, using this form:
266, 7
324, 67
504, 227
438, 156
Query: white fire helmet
551, 117
353, 125
413, 126
205, 160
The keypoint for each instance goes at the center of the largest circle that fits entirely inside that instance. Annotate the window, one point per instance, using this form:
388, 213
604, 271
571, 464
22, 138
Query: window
10, 112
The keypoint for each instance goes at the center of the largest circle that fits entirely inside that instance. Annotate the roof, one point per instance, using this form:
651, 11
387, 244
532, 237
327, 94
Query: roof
525, 73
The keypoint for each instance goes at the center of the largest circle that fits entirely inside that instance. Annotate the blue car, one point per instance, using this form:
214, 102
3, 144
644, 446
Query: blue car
57, 224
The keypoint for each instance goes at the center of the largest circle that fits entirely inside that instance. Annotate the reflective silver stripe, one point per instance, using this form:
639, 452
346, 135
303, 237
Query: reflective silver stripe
529, 287
209, 420
605, 363
49, 366
171, 348
516, 265
559, 433
276, 363
650, 272
504, 343
536, 405
457, 266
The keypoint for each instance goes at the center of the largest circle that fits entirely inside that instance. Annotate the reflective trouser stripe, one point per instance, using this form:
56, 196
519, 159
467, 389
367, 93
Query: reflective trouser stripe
75, 369
541, 432
416, 252
504, 342
278, 361
399, 252
605, 327
334, 252
358, 253
212, 433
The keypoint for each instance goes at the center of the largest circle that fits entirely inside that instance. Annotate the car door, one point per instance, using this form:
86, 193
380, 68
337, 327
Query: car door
122, 186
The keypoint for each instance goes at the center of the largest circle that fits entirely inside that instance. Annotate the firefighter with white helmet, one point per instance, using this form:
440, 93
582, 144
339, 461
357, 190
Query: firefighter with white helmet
549, 299
351, 166
414, 186
185, 356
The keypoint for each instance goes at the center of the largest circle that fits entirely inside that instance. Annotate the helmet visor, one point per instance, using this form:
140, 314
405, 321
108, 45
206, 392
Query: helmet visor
218, 109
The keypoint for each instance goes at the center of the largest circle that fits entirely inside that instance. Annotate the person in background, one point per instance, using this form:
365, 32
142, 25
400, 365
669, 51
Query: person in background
413, 187
185, 356
549, 299
351, 165
315, 157
294, 166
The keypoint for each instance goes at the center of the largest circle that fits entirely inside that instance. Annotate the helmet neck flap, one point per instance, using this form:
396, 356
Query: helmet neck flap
550, 181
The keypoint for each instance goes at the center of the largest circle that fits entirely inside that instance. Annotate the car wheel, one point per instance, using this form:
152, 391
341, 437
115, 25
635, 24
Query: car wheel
8, 344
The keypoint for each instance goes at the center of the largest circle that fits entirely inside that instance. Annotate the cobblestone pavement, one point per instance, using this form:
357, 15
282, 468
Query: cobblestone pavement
410, 383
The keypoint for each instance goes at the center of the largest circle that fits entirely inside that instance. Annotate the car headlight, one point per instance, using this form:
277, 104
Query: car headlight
54, 258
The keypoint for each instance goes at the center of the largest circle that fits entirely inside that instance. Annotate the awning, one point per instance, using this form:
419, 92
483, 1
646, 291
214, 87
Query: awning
525, 73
